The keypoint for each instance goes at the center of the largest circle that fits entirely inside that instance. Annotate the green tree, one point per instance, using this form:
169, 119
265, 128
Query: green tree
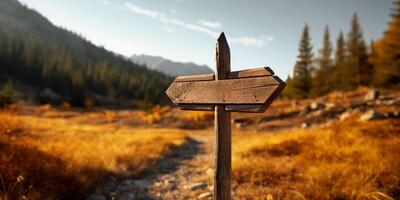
301, 80
322, 79
386, 52
340, 68
357, 56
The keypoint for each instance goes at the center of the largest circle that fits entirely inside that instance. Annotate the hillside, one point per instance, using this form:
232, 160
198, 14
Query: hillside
45, 56
170, 67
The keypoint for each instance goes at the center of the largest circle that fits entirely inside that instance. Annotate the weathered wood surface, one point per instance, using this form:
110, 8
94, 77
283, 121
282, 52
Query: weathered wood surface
233, 91
202, 77
203, 107
248, 73
222, 173
255, 72
261, 71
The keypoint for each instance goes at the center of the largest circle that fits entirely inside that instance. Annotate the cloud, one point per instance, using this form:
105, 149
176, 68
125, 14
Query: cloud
142, 11
206, 27
251, 41
210, 24
202, 29
168, 20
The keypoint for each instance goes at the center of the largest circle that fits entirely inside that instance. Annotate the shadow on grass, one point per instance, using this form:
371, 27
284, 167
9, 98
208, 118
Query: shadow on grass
45, 176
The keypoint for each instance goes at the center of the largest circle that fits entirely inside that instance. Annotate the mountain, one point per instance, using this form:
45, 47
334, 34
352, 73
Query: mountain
51, 58
170, 67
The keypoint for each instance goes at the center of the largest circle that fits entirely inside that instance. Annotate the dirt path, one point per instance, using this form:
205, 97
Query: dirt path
183, 174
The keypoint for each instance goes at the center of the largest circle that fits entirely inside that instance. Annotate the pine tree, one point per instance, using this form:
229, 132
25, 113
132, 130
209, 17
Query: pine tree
387, 52
322, 79
340, 68
301, 81
357, 55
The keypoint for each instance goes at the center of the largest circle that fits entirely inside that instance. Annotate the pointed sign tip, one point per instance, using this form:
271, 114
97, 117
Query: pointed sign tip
221, 37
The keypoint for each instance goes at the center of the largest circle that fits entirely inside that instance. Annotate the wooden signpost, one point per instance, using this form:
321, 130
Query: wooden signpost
250, 90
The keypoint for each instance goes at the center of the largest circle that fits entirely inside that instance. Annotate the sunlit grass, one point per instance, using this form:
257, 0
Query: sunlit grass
64, 158
348, 160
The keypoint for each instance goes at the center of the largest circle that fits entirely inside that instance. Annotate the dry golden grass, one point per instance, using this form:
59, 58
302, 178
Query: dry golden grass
154, 115
63, 159
198, 116
9, 124
348, 160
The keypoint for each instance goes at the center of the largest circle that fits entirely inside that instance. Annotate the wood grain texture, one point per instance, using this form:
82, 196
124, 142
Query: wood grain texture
222, 173
261, 71
201, 77
233, 91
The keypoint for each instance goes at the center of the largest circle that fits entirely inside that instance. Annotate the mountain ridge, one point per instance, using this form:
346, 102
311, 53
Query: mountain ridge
46, 56
170, 67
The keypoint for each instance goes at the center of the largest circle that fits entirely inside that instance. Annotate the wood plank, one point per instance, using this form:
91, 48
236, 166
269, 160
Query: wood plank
256, 72
257, 108
198, 107
251, 108
222, 173
232, 91
201, 77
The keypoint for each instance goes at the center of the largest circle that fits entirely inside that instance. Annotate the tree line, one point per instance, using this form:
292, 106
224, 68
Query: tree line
78, 75
352, 63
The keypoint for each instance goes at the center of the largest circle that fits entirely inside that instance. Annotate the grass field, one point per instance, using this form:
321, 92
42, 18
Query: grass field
42, 158
346, 160
66, 153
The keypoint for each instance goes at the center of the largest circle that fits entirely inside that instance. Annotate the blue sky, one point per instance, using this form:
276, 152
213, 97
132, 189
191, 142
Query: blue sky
260, 32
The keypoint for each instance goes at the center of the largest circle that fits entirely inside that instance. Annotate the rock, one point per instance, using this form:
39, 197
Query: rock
370, 115
345, 115
197, 186
317, 113
96, 197
142, 182
330, 106
158, 184
316, 106
205, 195
391, 114
371, 95
304, 125
392, 102
238, 125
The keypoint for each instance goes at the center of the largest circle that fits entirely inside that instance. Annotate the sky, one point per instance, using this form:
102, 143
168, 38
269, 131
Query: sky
259, 32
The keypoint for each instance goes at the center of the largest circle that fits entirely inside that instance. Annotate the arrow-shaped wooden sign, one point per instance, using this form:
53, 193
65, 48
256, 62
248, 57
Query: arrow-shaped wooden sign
250, 90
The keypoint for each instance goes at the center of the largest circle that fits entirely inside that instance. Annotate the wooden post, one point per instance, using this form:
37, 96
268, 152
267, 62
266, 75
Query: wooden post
222, 173
251, 90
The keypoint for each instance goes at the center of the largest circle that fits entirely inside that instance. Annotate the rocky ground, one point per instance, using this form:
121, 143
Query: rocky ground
183, 174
